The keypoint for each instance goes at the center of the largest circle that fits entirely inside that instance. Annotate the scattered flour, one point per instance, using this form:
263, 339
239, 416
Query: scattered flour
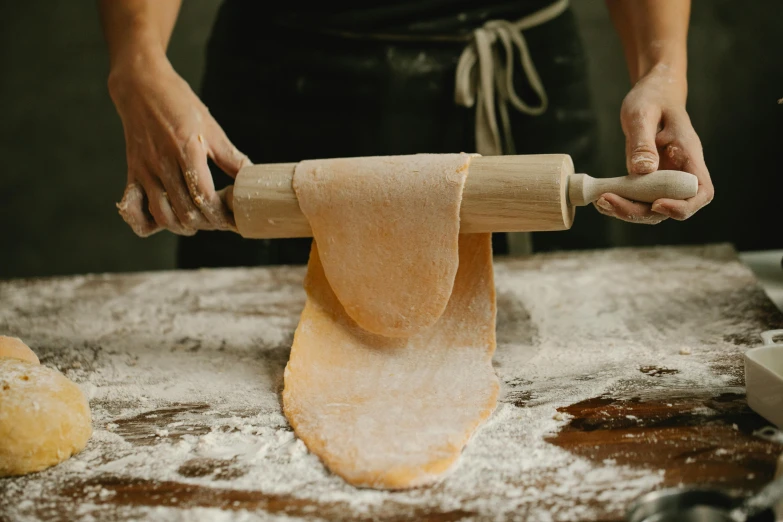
184, 369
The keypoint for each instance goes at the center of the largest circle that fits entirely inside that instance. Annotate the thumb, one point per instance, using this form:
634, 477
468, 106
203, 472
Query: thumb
225, 154
642, 154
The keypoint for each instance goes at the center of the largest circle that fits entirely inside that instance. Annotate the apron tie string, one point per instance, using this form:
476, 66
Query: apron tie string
493, 79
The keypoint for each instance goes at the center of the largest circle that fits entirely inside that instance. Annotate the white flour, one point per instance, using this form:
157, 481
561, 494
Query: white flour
183, 371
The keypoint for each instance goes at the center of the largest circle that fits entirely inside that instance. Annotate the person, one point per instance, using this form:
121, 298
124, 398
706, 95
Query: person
346, 78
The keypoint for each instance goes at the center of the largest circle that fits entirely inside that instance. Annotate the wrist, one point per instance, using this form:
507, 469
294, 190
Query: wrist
667, 76
137, 49
662, 57
672, 66
139, 57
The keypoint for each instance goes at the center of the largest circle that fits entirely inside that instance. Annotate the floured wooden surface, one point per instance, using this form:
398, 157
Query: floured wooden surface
598, 404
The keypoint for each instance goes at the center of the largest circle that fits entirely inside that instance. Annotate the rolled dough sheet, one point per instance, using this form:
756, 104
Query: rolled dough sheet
387, 230
395, 412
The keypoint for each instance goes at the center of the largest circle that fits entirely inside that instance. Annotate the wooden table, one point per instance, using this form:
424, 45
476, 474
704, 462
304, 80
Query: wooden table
621, 372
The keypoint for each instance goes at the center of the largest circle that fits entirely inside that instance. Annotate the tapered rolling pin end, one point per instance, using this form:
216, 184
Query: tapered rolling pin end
227, 196
646, 188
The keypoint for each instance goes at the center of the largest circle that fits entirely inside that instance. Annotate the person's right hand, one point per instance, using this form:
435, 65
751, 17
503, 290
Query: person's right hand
169, 134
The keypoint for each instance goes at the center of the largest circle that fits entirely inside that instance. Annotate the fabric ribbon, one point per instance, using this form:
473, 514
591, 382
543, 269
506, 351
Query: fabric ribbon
483, 79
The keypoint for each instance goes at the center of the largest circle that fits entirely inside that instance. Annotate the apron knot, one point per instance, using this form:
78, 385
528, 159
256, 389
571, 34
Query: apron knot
484, 80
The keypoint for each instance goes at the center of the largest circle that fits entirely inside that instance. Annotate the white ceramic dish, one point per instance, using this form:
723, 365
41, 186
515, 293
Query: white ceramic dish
764, 378
779, 510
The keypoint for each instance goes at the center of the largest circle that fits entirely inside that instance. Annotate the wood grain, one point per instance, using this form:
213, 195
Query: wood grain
671, 184
715, 448
110, 331
502, 194
526, 193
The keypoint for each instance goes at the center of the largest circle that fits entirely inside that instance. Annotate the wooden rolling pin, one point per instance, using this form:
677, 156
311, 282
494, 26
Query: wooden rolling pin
531, 193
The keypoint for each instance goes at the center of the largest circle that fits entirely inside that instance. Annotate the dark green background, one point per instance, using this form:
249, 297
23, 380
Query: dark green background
63, 157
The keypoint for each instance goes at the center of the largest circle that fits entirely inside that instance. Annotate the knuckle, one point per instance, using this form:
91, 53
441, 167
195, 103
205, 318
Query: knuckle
643, 113
181, 133
636, 111
156, 211
645, 150
643, 161
192, 140
190, 144
187, 219
192, 219
191, 180
629, 103
137, 222
146, 230
651, 219
133, 189
200, 202
183, 228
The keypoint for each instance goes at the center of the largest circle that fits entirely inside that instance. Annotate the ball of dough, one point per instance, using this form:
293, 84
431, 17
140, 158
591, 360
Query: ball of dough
44, 417
14, 348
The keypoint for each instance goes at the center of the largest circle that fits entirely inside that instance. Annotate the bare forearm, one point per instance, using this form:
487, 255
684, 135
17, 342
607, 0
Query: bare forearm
134, 29
658, 131
169, 132
654, 34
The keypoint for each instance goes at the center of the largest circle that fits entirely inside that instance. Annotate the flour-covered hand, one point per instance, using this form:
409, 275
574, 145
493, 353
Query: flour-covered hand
659, 136
169, 134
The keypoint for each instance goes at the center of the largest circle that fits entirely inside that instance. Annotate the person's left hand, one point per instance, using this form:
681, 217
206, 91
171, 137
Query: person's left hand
659, 136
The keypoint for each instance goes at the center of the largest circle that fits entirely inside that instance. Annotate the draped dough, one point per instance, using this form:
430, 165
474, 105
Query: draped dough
387, 230
382, 411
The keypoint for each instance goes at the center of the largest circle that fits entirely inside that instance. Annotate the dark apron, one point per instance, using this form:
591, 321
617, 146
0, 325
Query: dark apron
285, 95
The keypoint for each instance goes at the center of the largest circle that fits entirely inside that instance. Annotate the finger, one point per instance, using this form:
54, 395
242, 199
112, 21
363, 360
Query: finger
604, 207
132, 208
683, 209
675, 209
686, 154
630, 211
160, 206
225, 155
186, 211
675, 156
640, 127
198, 178
677, 129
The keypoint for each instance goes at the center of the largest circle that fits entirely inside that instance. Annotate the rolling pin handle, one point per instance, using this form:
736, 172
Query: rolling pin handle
645, 188
576, 190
